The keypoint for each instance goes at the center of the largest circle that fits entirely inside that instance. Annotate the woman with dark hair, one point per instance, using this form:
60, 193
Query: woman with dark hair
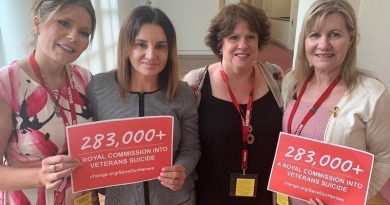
240, 111
146, 83
39, 96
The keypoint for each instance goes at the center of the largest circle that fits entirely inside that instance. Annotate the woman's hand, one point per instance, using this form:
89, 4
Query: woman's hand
54, 170
315, 201
173, 177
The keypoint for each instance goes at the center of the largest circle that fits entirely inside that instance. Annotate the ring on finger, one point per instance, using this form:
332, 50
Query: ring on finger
52, 168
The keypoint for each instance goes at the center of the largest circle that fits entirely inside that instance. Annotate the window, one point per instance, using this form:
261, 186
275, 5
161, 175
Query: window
100, 56
1, 51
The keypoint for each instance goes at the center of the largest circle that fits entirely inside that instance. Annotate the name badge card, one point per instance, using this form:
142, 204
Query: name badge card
305, 168
120, 151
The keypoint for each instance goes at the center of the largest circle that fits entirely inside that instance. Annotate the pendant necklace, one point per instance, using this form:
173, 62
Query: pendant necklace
57, 103
57, 100
42, 79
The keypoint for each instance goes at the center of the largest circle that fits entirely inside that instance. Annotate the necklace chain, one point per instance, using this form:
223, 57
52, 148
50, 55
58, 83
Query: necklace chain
68, 86
57, 101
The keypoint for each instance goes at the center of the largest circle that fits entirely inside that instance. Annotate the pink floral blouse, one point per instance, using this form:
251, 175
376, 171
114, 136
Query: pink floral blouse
38, 131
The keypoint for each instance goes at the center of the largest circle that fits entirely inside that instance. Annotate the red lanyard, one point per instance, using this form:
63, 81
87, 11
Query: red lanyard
245, 119
69, 86
316, 105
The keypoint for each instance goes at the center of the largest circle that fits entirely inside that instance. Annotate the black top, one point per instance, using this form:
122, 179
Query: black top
220, 134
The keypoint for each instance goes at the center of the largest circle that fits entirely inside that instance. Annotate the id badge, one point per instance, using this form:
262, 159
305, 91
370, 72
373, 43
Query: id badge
281, 199
243, 185
85, 199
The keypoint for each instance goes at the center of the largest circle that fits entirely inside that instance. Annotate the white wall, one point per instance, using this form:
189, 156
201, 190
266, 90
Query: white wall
16, 28
231, 2
373, 27
1, 50
125, 7
303, 7
374, 44
280, 31
191, 19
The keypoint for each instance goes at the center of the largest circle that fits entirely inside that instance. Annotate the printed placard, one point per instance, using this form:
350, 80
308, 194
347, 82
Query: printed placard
120, 151
305, 168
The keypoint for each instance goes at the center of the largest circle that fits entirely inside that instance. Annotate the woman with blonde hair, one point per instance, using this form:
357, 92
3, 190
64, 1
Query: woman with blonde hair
39, 96
328, 98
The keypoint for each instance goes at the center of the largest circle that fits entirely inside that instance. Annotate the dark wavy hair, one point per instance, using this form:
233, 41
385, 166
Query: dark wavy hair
222, 25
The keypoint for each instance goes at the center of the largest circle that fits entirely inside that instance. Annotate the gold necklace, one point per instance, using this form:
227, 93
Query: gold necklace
57, 103
39, 74
56, 106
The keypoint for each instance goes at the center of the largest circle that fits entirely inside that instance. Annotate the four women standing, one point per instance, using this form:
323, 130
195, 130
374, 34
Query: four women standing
240, 106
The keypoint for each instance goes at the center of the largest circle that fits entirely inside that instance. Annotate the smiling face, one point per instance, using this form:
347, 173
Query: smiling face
64, 38
149, 52
240, 48
327, 47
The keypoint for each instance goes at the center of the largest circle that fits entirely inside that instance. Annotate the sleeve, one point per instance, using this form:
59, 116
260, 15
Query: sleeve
5, 84
87, 75
6, 124
276, 72
188, 153
378, 142
191, 78
195, 79
82, 76
273, 76
91, 95
286, 87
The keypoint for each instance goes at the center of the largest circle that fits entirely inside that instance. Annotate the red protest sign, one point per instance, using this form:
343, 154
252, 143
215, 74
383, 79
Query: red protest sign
305, 168
120, 151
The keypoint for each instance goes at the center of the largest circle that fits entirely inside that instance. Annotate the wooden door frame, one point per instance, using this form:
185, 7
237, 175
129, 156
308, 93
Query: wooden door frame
221, 4
247, 1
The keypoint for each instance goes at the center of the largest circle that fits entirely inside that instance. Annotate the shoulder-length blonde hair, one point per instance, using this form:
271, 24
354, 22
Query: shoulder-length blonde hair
168, 78
313, 19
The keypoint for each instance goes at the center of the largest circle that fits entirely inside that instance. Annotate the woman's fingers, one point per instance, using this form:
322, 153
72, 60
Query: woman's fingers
60, 162
315, 201
56, 168
55, 184
319, 202
173, 177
